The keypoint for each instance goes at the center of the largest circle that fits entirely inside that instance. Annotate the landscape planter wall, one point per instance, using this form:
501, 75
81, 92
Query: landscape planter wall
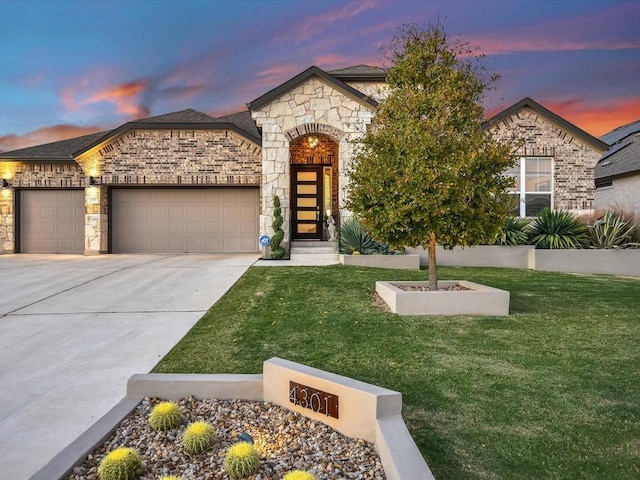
366, 411
480, 256
400, 262
607, 261
477, 300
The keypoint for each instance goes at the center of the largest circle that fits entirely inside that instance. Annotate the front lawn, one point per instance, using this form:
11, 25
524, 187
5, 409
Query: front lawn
552, 391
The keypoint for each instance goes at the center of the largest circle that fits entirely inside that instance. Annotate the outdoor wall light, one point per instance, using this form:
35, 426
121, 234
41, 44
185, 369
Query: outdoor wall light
92, 181
313, 142
5, 184
245, 437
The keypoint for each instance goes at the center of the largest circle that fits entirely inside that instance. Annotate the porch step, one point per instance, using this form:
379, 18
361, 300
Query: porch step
309, 251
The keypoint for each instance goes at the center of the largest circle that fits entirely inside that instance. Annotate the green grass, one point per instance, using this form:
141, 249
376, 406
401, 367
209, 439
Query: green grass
552, 391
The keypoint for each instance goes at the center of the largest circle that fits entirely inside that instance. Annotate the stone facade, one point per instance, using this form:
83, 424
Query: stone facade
311, 107
623, 193
573, 160
7, 221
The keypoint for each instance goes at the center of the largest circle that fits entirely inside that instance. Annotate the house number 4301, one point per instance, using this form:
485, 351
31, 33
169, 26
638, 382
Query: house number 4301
313, 399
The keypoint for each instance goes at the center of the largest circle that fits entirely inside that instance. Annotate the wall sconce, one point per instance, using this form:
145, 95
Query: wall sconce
92, 181
5, 184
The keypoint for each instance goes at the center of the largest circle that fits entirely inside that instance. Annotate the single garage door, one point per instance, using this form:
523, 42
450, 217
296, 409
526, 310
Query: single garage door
183, 220
51, 221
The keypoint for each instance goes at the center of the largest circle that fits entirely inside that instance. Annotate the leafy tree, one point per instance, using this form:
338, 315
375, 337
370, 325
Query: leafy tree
427, 171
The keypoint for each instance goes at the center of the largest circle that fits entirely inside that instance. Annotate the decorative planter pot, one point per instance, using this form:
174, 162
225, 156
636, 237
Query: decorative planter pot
477, 300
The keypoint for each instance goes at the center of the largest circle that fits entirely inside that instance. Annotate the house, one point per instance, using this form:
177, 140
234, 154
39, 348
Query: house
556, 159
188, 182
617, 173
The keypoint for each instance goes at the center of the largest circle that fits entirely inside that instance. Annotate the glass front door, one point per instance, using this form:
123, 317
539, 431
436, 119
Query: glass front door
307, 202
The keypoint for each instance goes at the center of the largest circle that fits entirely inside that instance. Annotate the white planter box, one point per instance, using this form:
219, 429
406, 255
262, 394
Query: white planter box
520, 256
478, 300
400, 262
607, 261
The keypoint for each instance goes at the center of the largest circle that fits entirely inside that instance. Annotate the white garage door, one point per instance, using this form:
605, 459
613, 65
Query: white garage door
51, 221
183, 220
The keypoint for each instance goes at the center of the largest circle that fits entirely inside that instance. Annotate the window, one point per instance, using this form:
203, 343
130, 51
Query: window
533, 185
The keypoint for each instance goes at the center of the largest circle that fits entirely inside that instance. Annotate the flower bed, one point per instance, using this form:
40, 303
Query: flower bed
285, 440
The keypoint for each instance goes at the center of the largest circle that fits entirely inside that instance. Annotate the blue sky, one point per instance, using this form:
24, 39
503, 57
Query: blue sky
74, 67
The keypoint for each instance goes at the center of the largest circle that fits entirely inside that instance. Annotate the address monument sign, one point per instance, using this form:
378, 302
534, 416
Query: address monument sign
313, 399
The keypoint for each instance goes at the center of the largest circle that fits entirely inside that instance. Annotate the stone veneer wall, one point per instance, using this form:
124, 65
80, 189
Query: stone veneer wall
7, 222
573, 160
312, 107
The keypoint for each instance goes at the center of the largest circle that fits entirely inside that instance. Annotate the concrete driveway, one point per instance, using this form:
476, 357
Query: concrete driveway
73, 329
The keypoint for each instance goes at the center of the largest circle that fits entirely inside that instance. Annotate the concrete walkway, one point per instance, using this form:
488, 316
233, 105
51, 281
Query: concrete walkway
74, 329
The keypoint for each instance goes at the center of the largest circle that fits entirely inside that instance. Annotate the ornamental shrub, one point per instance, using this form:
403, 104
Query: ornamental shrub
557, 229
121, 464
299, 475
612, 230
515, 231
198, 437
277, 251
355, 240
165, 416
242, 460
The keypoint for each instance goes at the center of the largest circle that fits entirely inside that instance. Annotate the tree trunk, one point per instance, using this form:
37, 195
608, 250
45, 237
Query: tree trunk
433, 269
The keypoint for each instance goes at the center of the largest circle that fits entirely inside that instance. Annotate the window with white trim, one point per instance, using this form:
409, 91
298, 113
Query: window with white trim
533, 185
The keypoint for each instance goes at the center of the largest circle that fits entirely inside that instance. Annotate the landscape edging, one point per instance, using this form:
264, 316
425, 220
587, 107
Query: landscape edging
398, 452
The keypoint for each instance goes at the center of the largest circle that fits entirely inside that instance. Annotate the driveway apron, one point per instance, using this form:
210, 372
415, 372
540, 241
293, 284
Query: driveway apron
74, 329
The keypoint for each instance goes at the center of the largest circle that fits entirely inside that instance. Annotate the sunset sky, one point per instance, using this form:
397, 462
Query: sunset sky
73, 67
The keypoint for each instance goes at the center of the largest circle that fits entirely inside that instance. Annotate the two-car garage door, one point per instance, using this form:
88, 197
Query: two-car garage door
184, 220
144, 220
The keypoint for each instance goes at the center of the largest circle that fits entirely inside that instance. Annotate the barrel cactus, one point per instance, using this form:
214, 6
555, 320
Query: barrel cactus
299, 475
242, 460
198, 437
165, 416
121, 464
171, 477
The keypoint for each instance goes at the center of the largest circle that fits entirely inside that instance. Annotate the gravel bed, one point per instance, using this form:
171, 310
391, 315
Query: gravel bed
285, 440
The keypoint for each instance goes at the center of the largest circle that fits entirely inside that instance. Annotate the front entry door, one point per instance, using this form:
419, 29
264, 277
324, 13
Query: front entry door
307, 202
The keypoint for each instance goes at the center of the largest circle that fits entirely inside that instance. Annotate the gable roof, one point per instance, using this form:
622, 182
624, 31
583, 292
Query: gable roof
552, 117
359, 73
188, 119
242, 120
304, 76
60, 151
623, 158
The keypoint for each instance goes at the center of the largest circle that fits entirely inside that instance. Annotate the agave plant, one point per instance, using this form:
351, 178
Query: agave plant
612, 231
354, 238
514, 232
557, 229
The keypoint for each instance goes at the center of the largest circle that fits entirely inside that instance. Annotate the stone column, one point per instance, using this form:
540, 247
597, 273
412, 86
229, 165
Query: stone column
7, 228
95, 220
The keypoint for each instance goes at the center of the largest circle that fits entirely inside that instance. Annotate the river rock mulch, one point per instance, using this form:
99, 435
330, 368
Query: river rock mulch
285, 440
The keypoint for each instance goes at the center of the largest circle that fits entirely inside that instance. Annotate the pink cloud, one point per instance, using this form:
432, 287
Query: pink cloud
44, 135
597, 120
125, 96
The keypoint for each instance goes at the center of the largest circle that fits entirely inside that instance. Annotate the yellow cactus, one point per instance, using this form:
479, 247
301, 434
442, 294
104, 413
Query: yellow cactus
165, 416
299, 475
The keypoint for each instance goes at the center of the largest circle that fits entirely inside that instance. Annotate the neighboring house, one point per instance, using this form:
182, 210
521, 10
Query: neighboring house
188, 182
556, 159
618, 171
